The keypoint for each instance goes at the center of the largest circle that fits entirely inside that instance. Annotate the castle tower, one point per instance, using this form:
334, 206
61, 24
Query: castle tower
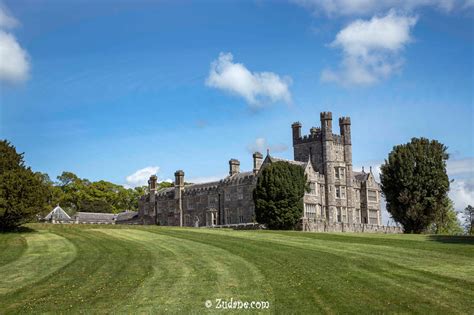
345, 129
178, 194
152, 189
328, 159
296, 127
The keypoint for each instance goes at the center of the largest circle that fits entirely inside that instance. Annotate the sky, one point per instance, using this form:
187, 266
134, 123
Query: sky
120, 90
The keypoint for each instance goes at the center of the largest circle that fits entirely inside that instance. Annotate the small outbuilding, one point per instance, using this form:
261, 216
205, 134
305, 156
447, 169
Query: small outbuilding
57, 215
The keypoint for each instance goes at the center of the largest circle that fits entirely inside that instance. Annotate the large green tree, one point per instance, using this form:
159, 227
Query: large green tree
279, 194
23, 193
415, 183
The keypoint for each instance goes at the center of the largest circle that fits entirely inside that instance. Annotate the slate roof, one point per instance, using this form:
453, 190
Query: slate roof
275, 159
57, 214
361, 176
126, 215
92, 217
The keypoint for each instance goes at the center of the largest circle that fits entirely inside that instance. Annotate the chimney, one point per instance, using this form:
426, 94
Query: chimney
179, 178
257, 161
234, 167
152, 183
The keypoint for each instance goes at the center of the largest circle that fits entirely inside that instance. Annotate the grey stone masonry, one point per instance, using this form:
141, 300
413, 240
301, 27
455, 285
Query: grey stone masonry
339, 198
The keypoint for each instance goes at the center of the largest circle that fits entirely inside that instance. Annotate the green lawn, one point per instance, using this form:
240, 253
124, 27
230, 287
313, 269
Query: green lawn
148, 269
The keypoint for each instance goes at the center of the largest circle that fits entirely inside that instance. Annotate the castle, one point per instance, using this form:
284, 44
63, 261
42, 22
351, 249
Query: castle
339, 198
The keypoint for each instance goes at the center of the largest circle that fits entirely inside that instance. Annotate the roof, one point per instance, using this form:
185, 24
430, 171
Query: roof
126, 215
202, 186
361, 176
95, 217
274, 159
57, 214
238, 176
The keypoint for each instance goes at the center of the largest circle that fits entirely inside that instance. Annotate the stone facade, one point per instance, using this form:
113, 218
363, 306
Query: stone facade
338, 196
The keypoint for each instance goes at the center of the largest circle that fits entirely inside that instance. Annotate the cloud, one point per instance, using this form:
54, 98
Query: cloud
371, 49
257, 88
6, 20
14, 65
461, 167
370, 7
462, 193
140, 177
261, 145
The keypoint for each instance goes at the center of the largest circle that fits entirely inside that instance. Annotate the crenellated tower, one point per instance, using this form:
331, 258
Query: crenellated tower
345, 130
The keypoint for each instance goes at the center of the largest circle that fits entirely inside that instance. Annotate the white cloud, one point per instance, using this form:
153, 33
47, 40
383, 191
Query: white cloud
462, 193
371, 7
257, 88
371, 49
140, 177
14, 65
6, 20
261, 145
461, 167
14, 60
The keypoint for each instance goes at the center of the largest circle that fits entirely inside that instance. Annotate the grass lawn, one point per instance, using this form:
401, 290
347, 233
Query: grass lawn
149, 269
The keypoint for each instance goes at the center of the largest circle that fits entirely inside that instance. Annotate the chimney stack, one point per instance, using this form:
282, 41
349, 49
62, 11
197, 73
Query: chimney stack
257, 161
234, 167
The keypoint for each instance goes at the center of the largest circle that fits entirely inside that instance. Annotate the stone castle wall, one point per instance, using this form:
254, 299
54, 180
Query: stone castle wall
308, 226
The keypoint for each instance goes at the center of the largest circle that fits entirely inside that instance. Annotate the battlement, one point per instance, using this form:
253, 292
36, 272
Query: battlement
344, 121
325, 115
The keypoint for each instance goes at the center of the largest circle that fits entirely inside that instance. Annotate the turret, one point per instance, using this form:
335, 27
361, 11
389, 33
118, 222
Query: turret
178, 194
326, 125
345, 128
257, 161
234, 167
296, 127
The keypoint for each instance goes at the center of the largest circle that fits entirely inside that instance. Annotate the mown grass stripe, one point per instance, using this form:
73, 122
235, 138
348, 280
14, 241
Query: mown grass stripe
45, 253
187, 273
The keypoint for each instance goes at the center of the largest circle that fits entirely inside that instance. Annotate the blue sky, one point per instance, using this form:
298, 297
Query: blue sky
105, 89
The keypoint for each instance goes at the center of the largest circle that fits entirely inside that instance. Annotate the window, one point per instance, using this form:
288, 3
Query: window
187, 220
310, 211
240, 193
241, 218
372, 195
313, 188
212, 201
344, 214
227, 196
340, 172
357, 194
340, 192
214, 218
373, 217
190, 203
339, 214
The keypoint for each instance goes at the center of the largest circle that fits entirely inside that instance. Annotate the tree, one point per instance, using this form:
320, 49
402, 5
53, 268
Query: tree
23, 193
278, 195
415, 182
446, 220
469, 219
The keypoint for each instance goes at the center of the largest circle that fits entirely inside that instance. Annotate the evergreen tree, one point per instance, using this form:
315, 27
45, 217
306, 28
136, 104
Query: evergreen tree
415, 183
279, 194
23, 193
